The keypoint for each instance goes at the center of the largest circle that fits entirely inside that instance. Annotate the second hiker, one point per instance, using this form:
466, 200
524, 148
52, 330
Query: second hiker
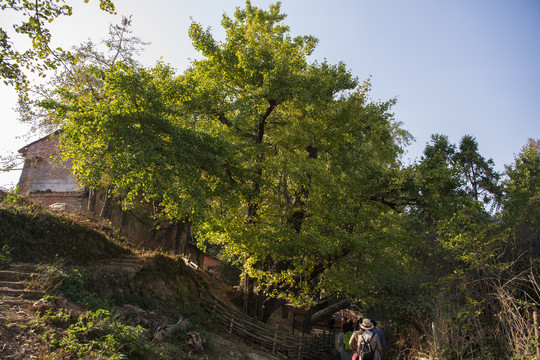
366, 342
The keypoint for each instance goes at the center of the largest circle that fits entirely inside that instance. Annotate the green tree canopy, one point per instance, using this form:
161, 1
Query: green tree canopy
480, 179
449, 177
522, 186
521, 200
315, 157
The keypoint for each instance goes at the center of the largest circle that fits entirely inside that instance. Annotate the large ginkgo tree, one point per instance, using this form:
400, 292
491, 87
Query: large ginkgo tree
285, 164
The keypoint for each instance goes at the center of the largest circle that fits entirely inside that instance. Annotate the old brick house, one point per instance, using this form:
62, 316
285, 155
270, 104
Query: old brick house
49, 181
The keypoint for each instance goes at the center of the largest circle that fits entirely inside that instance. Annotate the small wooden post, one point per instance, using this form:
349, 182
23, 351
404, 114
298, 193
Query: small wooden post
231, 325
300, 346
274, 343
435, 340
536, 319
246, 291
214, 308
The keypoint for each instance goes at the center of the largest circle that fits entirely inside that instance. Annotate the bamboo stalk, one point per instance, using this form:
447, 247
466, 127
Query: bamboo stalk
536, 319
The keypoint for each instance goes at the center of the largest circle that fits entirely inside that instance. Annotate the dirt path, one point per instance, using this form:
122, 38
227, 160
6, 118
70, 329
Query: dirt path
18, 309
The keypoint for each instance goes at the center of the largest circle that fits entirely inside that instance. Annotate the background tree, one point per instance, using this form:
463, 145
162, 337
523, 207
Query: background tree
16, 62
437, 182
521, 200
81, 75
480, 179
443, 225
478, 265
76, 76
494, 282
522, 186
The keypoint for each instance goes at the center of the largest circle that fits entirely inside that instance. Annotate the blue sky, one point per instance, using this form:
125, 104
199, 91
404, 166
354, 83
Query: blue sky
456, 67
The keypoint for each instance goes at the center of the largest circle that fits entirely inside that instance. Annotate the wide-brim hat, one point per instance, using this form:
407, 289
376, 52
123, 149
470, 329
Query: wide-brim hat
366, 324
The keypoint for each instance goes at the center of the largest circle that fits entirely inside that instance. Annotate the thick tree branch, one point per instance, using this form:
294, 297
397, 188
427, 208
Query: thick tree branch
321, 314
262, 122
223, 119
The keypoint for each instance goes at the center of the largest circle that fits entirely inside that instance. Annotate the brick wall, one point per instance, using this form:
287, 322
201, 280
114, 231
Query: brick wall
46, 177
73, 200
211, 263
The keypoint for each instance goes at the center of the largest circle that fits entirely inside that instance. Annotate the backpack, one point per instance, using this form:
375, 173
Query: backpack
346, 338
365, 350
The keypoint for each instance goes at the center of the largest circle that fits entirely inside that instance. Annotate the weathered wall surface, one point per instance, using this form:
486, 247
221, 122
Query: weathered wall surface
73, 201
44, 170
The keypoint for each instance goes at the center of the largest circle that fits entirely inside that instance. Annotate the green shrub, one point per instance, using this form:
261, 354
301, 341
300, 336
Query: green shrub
70, 282
97, 335
5, 256
60, 318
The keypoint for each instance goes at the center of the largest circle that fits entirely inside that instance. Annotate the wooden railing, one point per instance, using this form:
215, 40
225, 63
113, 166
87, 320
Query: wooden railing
293, 347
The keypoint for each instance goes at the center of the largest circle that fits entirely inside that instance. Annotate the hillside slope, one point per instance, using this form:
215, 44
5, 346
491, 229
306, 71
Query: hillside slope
72, 288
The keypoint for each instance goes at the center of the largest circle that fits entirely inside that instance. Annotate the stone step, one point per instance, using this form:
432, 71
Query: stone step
133, 257
13, 284
125, 267
15, 301
121, 268
123, 264
10, 275
22, 267
25, 294
133, 260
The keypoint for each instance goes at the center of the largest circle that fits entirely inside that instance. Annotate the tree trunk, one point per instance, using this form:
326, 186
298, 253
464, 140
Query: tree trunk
91, 205
308, 322
106, 203
245, 287
268, 306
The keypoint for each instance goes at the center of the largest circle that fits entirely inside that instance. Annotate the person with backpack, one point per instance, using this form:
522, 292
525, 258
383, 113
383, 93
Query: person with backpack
343, 341
366, 342
379, 332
